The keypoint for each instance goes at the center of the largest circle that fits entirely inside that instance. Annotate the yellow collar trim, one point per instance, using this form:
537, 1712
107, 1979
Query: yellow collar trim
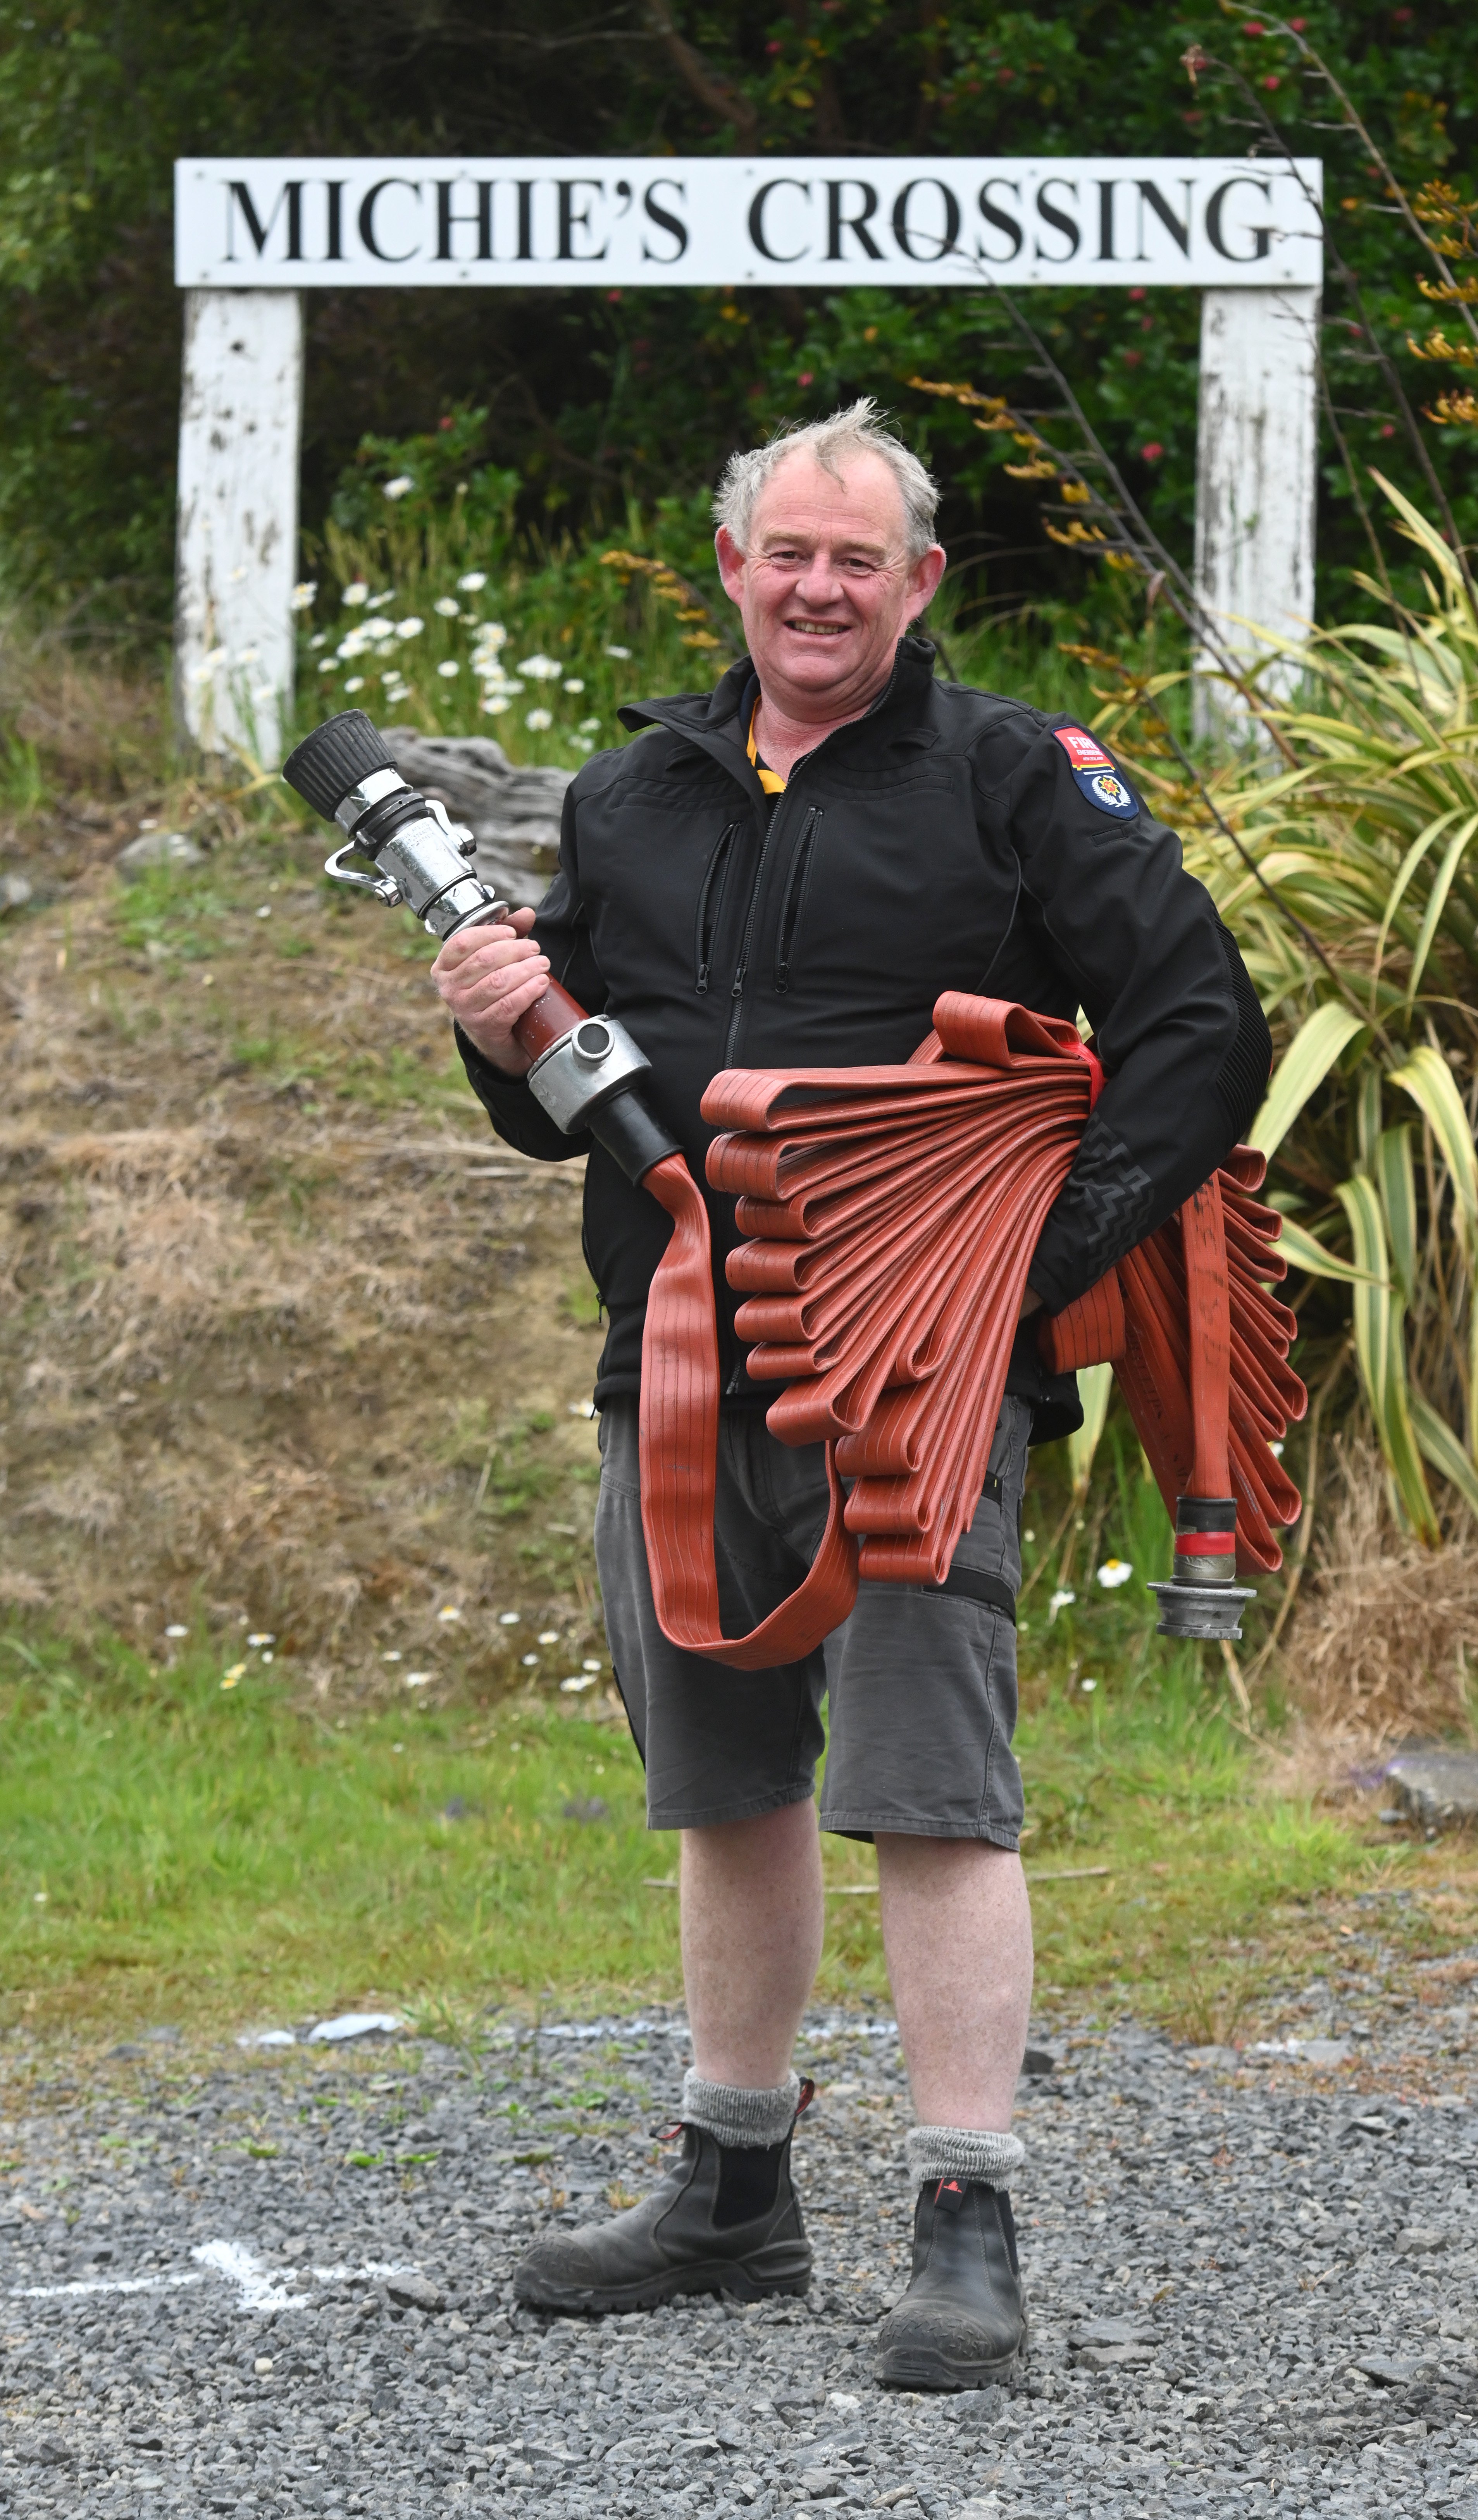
769, 780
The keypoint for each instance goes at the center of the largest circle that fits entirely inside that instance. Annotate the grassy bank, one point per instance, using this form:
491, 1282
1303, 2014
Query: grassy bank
180, 1846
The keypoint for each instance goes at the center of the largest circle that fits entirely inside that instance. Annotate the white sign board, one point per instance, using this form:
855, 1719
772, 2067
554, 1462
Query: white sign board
711, 222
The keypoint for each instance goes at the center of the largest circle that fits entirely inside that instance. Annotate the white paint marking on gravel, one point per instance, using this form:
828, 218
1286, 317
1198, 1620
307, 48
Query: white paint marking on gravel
94, 2284
353, 2025
258, 2288
230, 2259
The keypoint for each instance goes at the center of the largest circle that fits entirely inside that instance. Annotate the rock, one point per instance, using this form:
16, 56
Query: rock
1436, 1787
1322, 2051
16, 891
157, 848
1037, 2061
1109, 2332
415, 2292
514, 814
1108, 2357
1419, 2238
1391, 2374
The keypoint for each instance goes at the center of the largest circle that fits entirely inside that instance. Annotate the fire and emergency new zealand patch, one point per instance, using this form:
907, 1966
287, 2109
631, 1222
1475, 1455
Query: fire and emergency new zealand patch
1096, 775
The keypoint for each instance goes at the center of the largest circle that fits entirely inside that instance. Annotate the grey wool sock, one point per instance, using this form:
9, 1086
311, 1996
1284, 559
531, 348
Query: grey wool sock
963, 2152
734, 2116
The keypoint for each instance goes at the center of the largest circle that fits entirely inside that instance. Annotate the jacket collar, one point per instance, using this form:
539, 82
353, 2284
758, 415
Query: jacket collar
713, 720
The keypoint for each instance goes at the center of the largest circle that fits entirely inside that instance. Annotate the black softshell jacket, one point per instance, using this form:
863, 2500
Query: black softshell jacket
942, 841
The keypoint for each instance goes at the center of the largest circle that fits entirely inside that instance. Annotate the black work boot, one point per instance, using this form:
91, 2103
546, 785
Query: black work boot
961, 2323
724, 2219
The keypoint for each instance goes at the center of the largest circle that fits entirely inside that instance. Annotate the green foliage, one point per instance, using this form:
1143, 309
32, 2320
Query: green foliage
596, 399
1348, 866
443, 611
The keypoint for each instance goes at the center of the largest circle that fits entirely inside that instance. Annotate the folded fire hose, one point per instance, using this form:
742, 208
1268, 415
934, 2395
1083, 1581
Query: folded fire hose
893, 1213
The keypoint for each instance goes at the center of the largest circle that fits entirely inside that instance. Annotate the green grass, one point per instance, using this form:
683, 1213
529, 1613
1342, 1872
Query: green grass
220, 1857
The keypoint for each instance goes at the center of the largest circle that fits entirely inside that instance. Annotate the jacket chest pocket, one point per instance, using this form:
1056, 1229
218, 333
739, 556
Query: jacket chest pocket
710, 905
795, 888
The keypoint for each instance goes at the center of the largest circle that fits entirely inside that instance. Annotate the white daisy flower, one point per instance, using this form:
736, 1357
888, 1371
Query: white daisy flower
397, 488
448, 606
1113, 1572
473, 582
536, 720
301, 597
358, 593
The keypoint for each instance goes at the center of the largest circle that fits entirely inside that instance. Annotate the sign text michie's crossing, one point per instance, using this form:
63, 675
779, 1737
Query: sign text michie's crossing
707, 222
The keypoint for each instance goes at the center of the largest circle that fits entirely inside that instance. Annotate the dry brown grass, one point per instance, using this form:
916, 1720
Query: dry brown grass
98, 728
1382, 1649
275, 1299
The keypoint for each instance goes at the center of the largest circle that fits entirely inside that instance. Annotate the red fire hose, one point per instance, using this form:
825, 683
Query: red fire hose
893, 1213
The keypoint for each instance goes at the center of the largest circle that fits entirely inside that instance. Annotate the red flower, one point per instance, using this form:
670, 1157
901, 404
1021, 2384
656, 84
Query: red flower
806, 377
1272, 81
614, 296
1136, 293
1153, 452
1389, 429
1252, 27
1299, 23
444, 424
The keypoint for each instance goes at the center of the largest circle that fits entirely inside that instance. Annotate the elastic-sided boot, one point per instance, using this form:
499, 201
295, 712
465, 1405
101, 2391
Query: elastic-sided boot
961, 2323
724, 2219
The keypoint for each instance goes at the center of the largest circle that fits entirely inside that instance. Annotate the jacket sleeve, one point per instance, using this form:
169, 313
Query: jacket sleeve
1183, 1041
562, 932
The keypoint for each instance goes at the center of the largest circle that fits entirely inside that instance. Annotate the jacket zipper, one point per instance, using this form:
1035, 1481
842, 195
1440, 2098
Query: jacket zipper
794, 900
705, 928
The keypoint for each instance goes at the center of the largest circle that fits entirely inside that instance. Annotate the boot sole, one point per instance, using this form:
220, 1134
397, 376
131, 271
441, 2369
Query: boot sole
924, 2367
651, 2294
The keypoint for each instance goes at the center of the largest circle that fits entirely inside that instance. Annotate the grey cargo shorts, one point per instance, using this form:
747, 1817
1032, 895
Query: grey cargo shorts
922, 1684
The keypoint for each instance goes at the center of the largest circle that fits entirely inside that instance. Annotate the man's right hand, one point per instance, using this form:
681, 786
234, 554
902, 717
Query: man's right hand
490, 976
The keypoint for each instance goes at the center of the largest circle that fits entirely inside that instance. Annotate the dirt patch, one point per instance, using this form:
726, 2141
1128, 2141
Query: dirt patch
292, 1341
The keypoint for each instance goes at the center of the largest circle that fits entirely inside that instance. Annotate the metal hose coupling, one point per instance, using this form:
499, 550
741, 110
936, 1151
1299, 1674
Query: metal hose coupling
584, 1067
1205, 1599
345, 773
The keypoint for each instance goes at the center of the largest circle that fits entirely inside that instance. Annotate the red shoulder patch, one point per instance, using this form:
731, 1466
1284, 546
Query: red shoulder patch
1083, 751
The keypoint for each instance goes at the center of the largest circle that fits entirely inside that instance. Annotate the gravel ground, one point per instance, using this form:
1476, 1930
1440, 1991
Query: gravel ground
278, 2283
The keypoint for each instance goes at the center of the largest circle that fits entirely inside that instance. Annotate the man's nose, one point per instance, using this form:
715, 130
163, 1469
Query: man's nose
817, 582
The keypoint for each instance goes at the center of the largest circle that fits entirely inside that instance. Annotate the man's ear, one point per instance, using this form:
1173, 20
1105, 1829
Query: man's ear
923, 581
730, 561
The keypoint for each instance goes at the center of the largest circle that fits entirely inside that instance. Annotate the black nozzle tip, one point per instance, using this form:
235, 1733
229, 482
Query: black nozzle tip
334, 758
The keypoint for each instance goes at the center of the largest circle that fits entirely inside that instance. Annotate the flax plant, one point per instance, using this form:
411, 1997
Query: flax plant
1347, 863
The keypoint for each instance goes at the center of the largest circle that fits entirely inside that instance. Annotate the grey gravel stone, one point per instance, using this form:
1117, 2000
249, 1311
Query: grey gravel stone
1223, 2320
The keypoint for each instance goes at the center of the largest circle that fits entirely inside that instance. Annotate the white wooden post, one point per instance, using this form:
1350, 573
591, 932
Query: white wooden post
235, 550
1256, 484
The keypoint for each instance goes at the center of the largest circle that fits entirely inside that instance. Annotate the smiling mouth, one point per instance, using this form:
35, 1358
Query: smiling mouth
818, 629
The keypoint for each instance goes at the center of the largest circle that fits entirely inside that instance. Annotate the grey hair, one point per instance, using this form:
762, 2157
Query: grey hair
857, 430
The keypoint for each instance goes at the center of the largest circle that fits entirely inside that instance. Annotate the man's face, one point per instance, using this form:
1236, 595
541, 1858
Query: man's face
826, 588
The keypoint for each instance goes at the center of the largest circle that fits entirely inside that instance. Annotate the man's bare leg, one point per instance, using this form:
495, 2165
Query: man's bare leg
752, 1922
956, 1930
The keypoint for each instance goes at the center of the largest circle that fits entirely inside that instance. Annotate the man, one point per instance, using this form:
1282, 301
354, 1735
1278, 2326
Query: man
786, 873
